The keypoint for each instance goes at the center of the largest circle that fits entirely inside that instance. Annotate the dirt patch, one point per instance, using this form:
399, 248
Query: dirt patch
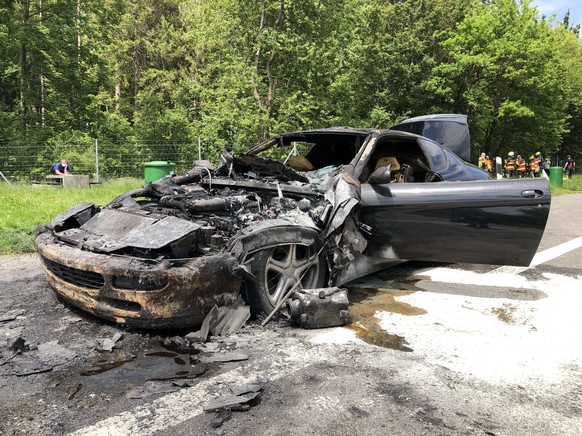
505, 313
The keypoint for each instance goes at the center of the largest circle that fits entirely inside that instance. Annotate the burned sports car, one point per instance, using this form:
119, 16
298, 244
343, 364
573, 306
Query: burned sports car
308, 209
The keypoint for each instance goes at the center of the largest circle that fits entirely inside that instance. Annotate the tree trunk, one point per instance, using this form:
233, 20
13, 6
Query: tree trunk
23, 70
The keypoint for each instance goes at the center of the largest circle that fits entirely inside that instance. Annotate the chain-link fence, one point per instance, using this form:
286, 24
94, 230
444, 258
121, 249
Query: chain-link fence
100, 160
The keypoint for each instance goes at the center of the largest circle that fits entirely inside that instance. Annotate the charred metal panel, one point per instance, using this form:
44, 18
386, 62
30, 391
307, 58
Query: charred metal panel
267, 167
111, 230
192, 287
318, 308
75, 216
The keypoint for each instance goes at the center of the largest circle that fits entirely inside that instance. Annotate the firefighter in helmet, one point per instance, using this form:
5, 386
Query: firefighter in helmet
510, 163
534, 165
521, 166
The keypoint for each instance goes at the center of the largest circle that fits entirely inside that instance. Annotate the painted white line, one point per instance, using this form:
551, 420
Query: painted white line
557, 251
543, 257
172, 409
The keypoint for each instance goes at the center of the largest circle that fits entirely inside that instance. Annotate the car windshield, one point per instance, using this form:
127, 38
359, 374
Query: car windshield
306, 151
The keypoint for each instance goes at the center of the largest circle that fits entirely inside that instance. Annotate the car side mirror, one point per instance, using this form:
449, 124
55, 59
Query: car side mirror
380, 176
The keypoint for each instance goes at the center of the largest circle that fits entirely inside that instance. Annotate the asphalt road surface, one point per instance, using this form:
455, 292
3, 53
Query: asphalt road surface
435, 349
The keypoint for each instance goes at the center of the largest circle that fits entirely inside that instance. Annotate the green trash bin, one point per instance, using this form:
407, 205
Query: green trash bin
556, 176
155, 170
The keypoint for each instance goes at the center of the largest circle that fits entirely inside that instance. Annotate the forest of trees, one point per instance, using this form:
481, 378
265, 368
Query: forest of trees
233, 72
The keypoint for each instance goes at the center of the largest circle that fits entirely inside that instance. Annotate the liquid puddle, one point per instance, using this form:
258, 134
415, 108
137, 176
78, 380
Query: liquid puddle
176, 349
162, 354
102, 366
196, 371
181, 355
364, 303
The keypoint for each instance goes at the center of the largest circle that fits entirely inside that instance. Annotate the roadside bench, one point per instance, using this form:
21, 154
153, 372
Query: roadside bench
69, 181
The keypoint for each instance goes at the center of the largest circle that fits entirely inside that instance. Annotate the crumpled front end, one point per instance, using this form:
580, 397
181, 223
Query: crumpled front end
162, 256
142, 293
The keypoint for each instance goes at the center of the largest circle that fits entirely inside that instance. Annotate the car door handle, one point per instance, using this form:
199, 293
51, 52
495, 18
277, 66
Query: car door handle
532, 193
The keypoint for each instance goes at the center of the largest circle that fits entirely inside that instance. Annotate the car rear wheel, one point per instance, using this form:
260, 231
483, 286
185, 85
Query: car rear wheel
277, 270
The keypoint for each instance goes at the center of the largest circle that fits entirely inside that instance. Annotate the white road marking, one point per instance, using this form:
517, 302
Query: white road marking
543, 256
557, 251
172, 409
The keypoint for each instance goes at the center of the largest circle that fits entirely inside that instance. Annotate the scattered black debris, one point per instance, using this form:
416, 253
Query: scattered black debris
228, 356
43, 359
12, 315
221, 417
224, 320
237, 399
17, 345
108, 344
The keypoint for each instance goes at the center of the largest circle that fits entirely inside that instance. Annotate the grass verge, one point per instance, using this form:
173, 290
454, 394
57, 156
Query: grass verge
568, 186
24, 207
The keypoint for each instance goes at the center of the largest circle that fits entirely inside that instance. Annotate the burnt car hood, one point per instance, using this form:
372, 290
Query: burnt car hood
111, 230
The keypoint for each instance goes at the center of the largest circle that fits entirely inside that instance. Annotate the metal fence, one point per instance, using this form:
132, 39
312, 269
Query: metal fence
100, 160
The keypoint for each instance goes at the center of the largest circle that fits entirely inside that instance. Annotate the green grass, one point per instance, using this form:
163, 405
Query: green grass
568, 186
24, 207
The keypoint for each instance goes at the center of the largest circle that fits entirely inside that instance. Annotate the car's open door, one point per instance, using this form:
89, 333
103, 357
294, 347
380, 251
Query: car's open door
492, 222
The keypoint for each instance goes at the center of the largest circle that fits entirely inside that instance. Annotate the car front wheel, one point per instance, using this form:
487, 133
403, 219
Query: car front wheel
277, 270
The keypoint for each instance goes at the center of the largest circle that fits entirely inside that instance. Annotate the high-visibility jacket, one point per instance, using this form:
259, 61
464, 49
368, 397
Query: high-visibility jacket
534, 165
510, 163
521, 167
488, 166
482, 162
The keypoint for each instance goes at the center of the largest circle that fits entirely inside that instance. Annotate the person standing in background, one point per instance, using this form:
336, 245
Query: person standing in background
521, 166
482, 161
569, 167
547, 165
510, 165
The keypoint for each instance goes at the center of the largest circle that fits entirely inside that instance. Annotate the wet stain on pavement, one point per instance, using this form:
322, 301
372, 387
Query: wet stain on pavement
102, 366
176, 349
195, 371
364, 303
162, 354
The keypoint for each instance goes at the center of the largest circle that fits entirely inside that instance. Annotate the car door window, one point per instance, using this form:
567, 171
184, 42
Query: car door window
435, 154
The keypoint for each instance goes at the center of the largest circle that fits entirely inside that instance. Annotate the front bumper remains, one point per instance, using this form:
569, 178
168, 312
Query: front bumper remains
142, 293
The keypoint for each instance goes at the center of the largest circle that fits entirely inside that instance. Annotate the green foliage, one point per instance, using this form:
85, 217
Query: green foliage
233, 73
502, 69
